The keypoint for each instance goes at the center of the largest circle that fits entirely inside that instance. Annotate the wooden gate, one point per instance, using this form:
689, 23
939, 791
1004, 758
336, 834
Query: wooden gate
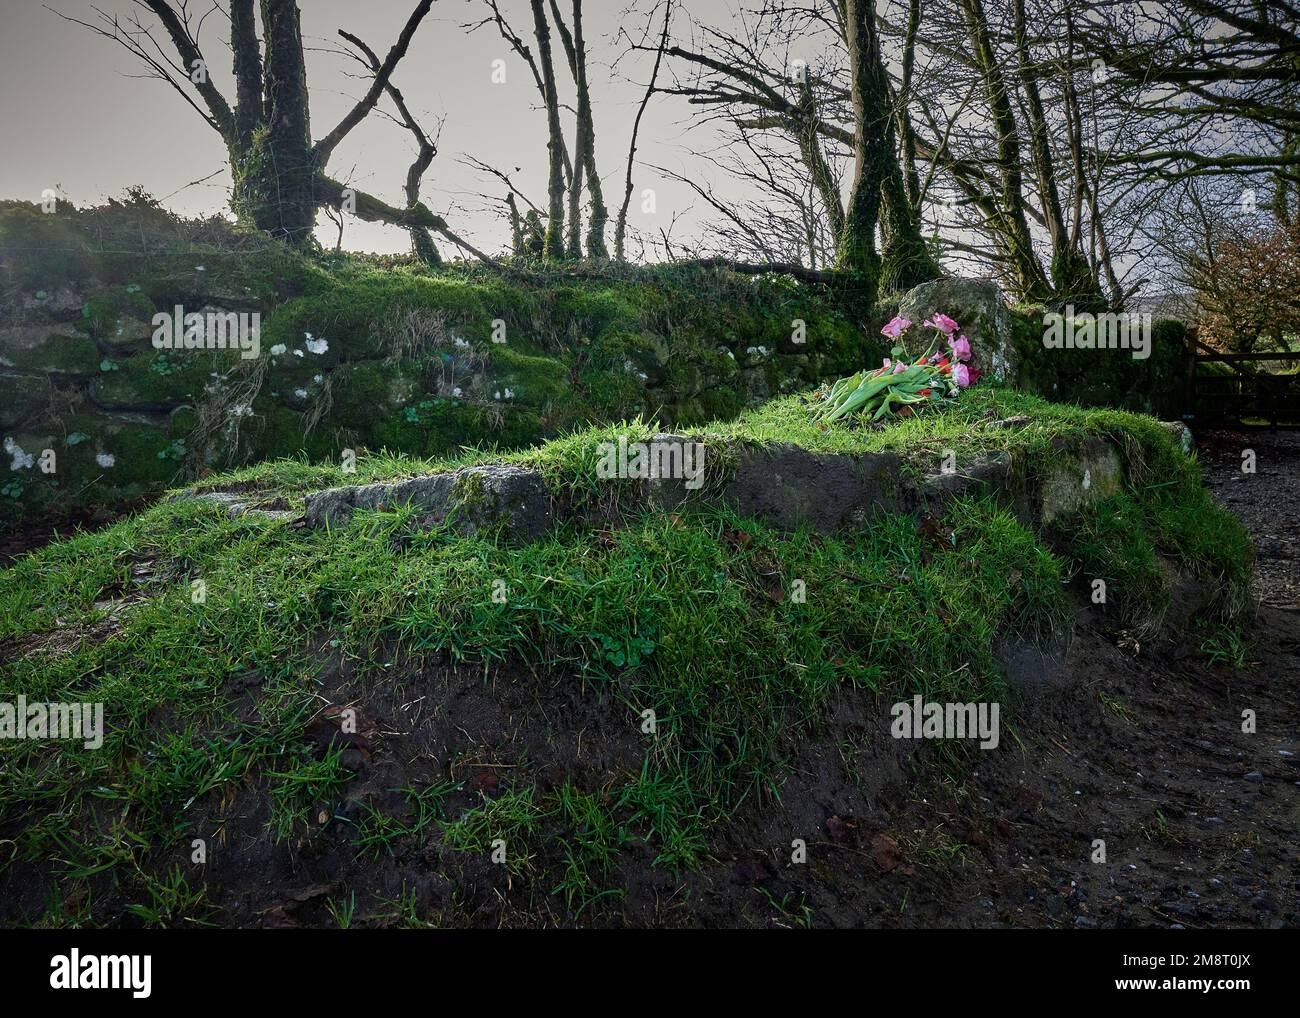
1240, 398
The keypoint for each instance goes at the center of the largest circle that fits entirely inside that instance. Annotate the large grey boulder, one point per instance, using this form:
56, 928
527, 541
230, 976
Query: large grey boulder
977, 305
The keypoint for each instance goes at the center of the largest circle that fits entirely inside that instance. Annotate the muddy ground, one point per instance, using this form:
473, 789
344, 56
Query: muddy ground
1140, 747
1201, 821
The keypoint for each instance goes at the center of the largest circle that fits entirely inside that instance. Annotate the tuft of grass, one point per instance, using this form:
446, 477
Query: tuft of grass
507, 827
1222, 643
343, 911
1117, 705
379, 832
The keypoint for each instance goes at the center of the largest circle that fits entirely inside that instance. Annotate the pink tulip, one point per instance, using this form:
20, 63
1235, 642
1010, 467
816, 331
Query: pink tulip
960, 348
961, 375
943, 323
899, 366
896, 327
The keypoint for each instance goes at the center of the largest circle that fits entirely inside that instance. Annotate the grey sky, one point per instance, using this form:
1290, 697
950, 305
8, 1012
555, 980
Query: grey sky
76, 114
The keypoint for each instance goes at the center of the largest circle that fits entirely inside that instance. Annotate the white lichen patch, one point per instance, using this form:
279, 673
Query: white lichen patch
21, 460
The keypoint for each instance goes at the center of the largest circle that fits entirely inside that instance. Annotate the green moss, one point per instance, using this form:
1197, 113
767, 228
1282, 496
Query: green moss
533, 381
160, 379
60, 354
1101, 378
720, 404
442, 425
131, 468
108, 309
21, 396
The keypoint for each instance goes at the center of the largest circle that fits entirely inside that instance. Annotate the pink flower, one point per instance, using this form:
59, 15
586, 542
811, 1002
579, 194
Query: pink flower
943, 323
900, 366
960, 348
896, 327
961, 375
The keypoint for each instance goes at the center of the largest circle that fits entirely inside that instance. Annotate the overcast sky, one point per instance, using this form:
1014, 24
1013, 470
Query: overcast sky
76, 113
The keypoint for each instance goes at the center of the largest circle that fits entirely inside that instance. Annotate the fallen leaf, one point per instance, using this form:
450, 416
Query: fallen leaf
886, 852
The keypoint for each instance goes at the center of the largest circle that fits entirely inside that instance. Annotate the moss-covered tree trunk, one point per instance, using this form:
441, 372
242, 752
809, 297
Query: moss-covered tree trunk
907, 259
276, 175
1011, 225
249, 111
872, 148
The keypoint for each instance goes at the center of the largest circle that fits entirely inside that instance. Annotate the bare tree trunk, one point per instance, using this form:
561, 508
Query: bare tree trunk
620, 227
422, 245
574, 239
906, 135
586, 153
554, 248
516, 226
584, 145
819, 169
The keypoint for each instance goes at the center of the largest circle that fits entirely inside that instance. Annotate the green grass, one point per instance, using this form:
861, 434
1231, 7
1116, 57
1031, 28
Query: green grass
688, 615
1127, 539
570, 461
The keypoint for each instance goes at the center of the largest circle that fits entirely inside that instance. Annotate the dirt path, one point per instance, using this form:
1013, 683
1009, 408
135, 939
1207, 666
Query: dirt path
1146, 753
1267, 500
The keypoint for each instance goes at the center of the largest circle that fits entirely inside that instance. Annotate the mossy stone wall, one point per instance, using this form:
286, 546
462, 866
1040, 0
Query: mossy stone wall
1104, 378
355, 353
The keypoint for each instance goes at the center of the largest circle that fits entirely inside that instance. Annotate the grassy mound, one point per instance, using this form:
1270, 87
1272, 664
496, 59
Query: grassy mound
229, 651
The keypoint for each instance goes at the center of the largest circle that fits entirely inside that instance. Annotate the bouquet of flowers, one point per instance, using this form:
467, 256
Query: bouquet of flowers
901, 385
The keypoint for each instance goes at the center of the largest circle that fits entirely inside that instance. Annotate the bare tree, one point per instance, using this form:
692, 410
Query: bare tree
279, 174
422, 245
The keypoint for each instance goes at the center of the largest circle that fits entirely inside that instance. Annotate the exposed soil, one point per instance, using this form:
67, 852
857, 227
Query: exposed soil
1139, 747
25, 537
